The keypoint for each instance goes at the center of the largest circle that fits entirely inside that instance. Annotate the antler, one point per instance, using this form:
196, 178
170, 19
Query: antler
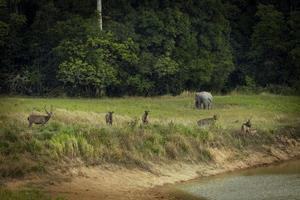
46, 109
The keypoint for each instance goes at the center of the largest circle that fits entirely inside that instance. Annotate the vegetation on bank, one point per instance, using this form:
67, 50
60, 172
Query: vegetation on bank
6, 194
77, 133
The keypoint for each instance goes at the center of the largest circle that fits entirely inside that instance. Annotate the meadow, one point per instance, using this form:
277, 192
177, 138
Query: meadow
77, 133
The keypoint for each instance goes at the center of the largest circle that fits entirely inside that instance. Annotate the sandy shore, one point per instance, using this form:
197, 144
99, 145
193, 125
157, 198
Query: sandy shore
114, 182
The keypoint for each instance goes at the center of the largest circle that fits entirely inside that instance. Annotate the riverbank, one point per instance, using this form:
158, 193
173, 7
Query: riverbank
114, 182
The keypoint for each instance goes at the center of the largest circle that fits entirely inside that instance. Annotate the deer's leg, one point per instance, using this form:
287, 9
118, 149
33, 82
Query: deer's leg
248, 130
30, 124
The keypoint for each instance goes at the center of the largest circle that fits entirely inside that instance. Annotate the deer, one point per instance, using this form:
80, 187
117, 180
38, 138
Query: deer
39, 119
207, 121
246, 127
109, 118
145, 117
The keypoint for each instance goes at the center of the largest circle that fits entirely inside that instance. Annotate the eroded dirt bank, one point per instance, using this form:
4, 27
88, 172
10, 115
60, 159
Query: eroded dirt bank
114, 182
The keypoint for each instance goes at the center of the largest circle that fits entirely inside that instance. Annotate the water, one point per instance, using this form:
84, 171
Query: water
279, 182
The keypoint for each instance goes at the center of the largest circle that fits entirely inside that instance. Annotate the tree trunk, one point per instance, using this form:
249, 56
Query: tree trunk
99, 9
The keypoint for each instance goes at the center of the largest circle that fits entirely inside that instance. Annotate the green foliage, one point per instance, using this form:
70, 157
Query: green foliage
6, 194
91, 67
269, 46
268, 32
294, 51
146, 48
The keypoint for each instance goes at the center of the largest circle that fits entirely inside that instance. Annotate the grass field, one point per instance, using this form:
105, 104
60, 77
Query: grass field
266, 111
77, 130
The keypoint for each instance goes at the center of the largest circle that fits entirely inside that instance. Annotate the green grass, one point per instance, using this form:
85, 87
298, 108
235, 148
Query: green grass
6, 194
77, 130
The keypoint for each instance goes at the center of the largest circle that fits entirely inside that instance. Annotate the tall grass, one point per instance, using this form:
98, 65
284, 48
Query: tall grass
77, 132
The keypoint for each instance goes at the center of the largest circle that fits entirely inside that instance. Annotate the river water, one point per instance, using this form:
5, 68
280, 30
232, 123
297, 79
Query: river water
277, 182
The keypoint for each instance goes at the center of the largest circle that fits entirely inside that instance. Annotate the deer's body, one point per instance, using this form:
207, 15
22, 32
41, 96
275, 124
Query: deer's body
39, 119
145, 117
207, 121
109, 118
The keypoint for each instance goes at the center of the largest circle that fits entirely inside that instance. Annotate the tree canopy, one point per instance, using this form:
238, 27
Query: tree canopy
147, 47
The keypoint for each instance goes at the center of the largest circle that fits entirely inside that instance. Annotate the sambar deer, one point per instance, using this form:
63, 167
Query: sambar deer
145, 117
39, 119
109, 118
207, 121
246, 127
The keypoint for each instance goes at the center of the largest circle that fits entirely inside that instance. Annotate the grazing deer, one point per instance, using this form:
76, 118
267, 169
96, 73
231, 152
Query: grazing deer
246, 127
207, 121
39, 119
109, 118
145, 117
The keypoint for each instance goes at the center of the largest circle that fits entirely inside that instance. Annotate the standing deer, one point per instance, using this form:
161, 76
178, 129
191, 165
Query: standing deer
246, 127
39, 119
145, 117
109, 118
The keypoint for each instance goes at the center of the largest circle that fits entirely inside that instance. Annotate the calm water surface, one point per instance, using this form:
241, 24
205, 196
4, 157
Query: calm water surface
279, 182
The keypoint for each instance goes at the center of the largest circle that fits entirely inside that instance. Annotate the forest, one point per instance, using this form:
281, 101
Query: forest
148, 47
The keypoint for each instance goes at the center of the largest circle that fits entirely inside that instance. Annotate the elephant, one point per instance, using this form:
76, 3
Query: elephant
203, 98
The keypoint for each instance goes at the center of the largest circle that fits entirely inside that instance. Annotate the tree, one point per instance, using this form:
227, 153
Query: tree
99, 9
147, 47
294, 50
89, 68
269, 46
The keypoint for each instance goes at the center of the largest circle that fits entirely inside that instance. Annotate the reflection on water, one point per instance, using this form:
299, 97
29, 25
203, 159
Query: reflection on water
280, 182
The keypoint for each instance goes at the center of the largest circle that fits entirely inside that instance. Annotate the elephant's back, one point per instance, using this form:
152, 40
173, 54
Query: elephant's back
204, 94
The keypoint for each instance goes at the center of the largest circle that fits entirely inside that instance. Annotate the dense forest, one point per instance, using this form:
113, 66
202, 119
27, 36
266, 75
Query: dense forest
148, 47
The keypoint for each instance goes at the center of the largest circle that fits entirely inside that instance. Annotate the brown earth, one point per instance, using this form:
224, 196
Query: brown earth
113, 182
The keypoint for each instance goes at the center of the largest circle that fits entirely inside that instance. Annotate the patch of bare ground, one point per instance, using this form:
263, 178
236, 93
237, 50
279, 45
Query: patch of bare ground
114, 182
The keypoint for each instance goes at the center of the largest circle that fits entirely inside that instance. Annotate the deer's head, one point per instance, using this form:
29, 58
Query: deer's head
51, 111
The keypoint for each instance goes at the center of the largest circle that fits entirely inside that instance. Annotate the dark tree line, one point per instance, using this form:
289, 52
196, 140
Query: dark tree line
148, 47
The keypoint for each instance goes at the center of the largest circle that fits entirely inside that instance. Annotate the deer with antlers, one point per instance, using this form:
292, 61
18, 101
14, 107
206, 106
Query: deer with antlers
39, 119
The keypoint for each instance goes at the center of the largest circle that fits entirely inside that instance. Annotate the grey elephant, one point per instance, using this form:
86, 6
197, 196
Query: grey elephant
204, 99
